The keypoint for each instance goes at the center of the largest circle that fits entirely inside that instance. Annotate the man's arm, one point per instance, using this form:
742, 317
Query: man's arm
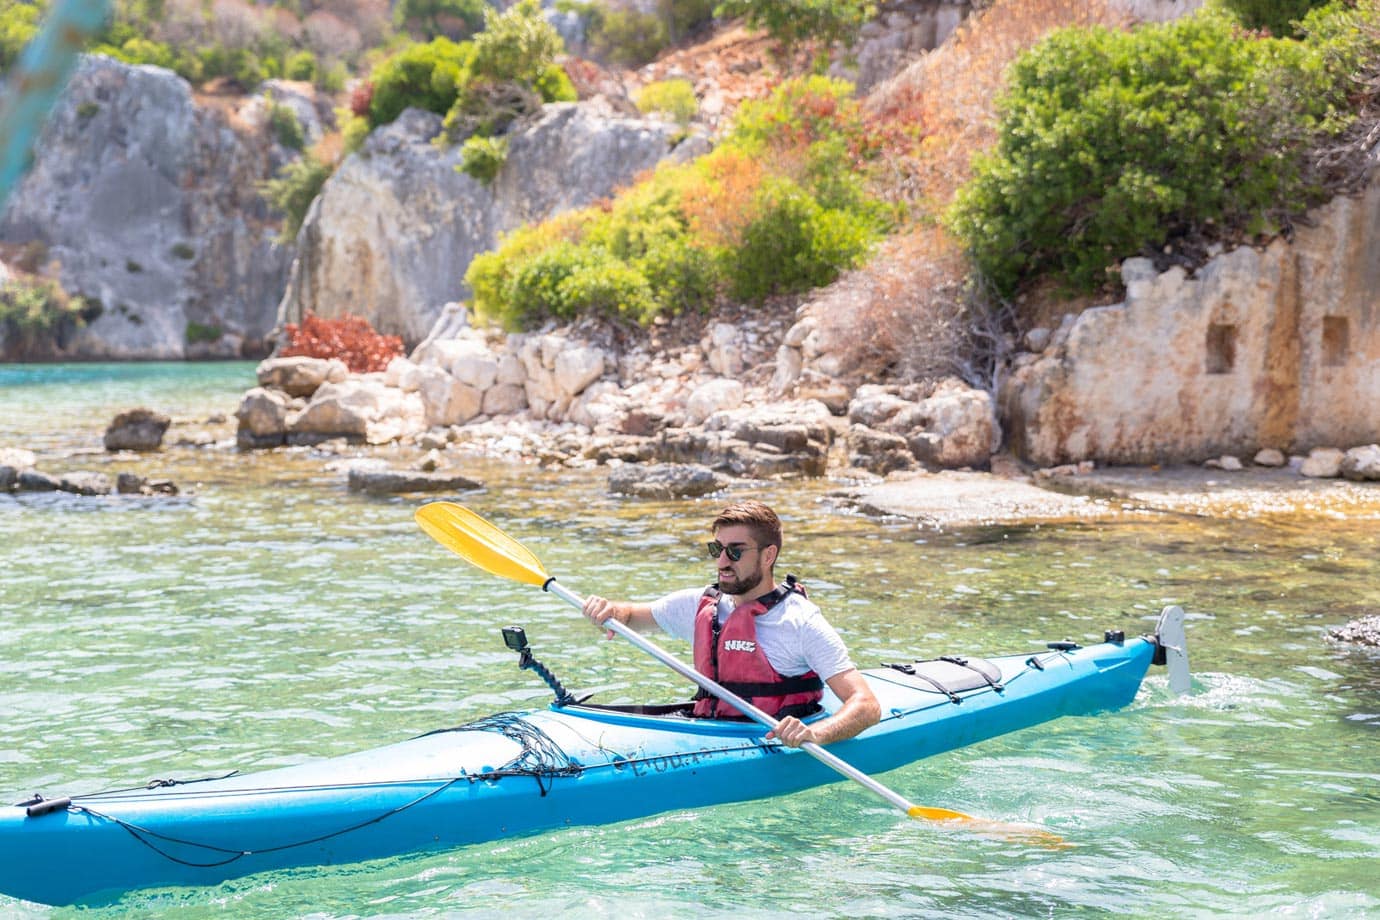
860, 710
637, 616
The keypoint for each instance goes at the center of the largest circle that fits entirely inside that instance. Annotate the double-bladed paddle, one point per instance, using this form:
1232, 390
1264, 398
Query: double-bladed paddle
480, 543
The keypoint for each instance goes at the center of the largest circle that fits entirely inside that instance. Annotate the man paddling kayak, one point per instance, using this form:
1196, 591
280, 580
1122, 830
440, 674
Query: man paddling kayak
766, 642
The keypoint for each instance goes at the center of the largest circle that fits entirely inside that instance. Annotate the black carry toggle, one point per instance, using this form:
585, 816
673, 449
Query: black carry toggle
47, 806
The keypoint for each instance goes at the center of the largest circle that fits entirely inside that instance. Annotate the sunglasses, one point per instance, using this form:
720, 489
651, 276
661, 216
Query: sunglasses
735, 550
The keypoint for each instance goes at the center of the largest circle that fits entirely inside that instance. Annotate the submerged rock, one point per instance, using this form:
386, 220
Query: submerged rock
665, 480
1365, 631
390, 482
138, 429
85, 483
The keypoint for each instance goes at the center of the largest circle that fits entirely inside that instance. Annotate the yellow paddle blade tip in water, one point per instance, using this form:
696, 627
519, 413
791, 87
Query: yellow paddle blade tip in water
1013, 833
480, 543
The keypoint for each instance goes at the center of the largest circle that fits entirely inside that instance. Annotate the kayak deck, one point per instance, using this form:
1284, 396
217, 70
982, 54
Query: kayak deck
520, 773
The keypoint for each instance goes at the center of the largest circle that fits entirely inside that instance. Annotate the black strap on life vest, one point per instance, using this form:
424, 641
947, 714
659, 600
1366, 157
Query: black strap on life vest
784, 687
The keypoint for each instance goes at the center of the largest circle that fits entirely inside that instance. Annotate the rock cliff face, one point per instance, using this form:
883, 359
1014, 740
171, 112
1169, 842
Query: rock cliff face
149, 204
395, 228
1262, 348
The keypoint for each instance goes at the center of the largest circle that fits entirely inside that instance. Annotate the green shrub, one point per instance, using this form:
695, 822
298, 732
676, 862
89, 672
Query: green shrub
282, 121
607, 287
794, 21
533, 291
139, 50
682, 17
354, 130
454, 19
293, 190
483, 157
799, 113
518, 45
18, 26
36, 308
1278, 16
792, 244
513, 71
300, 65
682, 275
676, 241
554, 85
200, 333
627, 38
1110, 141
334, 78
426, 76
675, 98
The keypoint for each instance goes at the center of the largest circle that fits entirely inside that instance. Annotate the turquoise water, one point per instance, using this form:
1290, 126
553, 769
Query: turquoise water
267, 616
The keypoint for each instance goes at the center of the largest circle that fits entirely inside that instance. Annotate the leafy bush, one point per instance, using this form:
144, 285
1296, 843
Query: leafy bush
18, 25
138, 50
293, 190
793, 21
554, 85
354, 131
483, 157
282, 121
682, 17
517, 45
35, 314
627, 38
722, 224
611, 288
300, 66
1278, 16
454, 19
675, 98
513, 72
203, 334
426, 76
481, 85
792, 244
1109, 142
350, 338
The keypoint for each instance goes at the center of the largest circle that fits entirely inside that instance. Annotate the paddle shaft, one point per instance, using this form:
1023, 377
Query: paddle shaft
734, 700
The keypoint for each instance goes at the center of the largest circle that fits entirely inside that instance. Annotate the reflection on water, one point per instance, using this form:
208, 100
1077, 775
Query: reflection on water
270, 617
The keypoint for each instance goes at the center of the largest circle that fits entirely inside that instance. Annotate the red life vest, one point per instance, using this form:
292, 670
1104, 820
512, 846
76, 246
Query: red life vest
731, 655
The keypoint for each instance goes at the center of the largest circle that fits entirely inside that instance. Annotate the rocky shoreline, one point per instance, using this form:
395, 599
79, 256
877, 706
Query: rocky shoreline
1009, 494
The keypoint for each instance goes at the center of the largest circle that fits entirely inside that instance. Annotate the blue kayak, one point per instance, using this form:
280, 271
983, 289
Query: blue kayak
524, 772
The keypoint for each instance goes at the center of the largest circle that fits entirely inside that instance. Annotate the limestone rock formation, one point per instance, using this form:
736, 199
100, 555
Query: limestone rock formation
396, 227
1263, 347
147, 205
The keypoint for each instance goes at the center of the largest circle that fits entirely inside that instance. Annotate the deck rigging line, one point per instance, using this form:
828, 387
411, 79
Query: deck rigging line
541, 758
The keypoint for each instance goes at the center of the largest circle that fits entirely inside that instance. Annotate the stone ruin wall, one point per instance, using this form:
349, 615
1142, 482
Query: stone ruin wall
1275, 347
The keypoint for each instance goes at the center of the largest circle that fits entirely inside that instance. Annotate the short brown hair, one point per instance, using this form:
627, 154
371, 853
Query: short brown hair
759, 519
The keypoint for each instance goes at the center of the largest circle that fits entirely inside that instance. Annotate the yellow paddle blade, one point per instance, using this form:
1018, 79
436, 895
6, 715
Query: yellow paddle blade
1013, 833
926, 813
480, 543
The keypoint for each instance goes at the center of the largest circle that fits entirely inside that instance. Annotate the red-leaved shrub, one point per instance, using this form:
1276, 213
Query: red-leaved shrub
349, 338
360, 99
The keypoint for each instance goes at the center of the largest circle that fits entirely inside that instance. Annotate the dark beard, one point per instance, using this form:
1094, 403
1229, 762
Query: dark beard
746, 587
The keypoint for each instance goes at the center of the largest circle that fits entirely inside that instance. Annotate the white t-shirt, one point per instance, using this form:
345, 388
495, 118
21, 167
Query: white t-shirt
794, 635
